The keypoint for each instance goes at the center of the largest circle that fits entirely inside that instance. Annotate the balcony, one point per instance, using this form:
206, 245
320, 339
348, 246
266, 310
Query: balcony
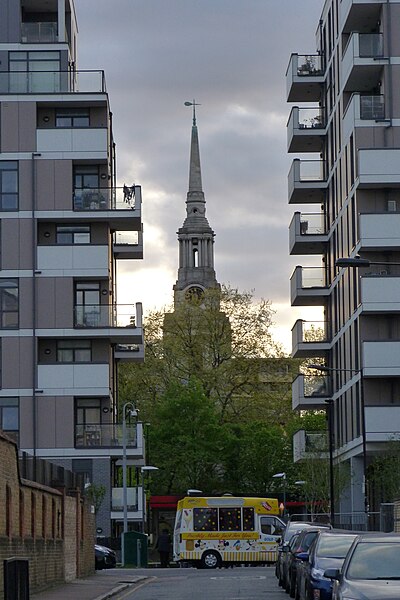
359, 15
304, 78
134, 503
307, 182
307, 234
310, 392
74, 379
310, 339
381, 423
364, 111
39, 32
380, 231
73, 261
306, 130
362, 62
308, 286
122, 323
118, 206
70, 140
52, 82
381, 359
380, 293
129, 353
378, 168
308, 445
106, 439
128, 244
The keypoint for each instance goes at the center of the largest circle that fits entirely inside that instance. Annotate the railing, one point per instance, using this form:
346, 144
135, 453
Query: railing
117, 500
313, 277
51, 82
127, 348
372, 107
371, 44
103, 198
39, 32
126, 238
318, 386
105, 315
314, 331
311, 118
316, 442
104, 435
309, 65
312, 170
312, 224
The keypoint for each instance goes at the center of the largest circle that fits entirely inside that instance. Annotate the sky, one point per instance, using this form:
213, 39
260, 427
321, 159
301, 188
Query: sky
231, 57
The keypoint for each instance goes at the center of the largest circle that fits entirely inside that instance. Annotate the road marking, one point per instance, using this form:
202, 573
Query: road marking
238, 577
132, 590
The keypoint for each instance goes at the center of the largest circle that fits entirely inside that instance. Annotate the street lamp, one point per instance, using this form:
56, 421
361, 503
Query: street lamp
283, 477
326, 369
145, 469
128, 408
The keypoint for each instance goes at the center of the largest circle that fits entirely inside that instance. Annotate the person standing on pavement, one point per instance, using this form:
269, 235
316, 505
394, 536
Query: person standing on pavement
163, 546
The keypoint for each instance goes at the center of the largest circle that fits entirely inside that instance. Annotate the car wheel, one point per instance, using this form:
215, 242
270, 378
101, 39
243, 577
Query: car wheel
210, 560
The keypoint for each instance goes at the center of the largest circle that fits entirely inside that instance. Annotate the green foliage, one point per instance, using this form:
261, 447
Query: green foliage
95, 494
384, 473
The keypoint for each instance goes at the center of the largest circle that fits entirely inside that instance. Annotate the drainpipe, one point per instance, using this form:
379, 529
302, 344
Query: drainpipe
34, 304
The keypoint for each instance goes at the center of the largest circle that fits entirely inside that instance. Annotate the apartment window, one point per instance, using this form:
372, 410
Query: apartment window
72, 117
9, 417
8, 185
86, 177
88, 411
73, 234
8, 303
74, 351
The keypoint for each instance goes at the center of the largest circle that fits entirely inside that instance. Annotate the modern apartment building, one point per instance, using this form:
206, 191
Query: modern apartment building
348, 123
64, 223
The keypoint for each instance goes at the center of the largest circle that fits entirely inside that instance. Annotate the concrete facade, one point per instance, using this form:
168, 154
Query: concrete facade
349, 124
63, 218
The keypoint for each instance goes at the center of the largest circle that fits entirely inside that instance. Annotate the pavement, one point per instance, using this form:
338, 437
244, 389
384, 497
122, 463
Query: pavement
100, 586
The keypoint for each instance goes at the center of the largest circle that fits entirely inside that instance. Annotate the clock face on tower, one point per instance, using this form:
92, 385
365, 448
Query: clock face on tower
194, 292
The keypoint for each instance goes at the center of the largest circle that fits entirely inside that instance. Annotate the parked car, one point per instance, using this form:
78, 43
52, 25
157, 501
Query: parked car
371, 570
104, 558
300, 543
328, 550
291, 528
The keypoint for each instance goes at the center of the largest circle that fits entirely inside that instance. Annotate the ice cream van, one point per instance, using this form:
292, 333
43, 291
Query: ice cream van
211, 532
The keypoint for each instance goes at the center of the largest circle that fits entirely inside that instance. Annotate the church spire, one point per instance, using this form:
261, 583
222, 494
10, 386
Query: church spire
196, 238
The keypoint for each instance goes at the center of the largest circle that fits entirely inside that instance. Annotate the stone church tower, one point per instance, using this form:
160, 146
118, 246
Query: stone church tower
196, 238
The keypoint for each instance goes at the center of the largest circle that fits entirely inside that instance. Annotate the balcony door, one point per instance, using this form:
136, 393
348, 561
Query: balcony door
87, 304
88, 422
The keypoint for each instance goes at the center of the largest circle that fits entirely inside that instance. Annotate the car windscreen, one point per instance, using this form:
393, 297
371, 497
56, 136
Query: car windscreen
375, 560
334, 546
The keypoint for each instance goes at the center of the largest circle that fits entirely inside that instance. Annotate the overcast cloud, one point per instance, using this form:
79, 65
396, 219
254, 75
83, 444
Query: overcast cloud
231, 56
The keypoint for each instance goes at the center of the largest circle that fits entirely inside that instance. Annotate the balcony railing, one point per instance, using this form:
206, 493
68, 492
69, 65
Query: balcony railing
104, 436
105, 315
371, 44
311, 118
372, 107
132, 497
317, 386
126, 238
52, 82
313, 277
309, 65
312, 224
39, 33
116, 198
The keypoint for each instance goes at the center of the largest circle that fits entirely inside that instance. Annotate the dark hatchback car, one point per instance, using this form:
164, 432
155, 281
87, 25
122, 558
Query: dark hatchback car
291, 529
104, 558
371, 570
328, 550
300, 543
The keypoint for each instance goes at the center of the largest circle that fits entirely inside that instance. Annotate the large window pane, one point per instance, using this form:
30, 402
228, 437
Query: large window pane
8, 185
205, 519
8, 303
230, 519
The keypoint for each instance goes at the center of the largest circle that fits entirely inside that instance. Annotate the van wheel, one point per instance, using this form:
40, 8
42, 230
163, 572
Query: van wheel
210, 560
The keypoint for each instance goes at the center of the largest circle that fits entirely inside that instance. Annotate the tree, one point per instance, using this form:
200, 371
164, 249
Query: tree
95, 494
222, 339
384, 473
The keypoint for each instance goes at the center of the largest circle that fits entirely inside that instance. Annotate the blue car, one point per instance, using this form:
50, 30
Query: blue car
328, 551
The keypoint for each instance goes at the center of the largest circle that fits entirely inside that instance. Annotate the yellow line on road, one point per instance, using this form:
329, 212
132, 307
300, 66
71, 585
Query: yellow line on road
132, 590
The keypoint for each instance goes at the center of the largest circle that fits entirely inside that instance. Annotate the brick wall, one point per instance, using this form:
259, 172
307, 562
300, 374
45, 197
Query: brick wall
55, 531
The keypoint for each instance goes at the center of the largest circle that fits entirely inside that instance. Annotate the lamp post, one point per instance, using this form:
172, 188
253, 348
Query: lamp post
283, 477
145, 469
129, 408
326, 369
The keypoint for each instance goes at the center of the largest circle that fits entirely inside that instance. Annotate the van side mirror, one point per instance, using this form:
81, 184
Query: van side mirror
332, 573
303, 556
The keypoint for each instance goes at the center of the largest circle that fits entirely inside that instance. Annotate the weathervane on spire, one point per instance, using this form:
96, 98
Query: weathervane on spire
194, 104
